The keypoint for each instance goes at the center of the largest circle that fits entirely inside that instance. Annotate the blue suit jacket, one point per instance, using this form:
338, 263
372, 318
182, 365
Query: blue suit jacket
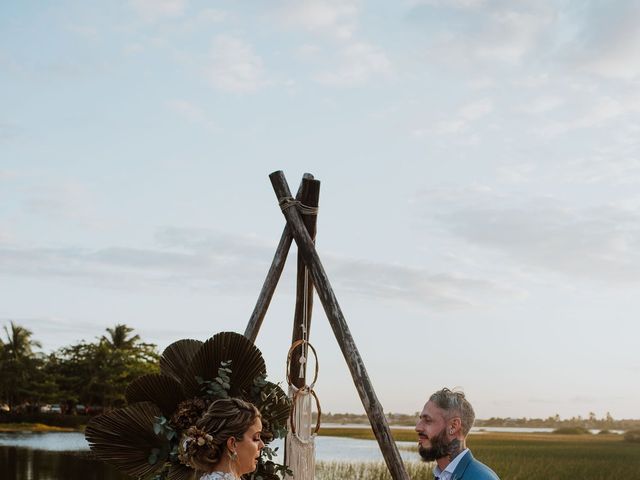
471, 469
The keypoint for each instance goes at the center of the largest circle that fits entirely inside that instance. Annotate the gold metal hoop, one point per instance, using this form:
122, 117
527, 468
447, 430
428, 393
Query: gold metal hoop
293, 409
295, 345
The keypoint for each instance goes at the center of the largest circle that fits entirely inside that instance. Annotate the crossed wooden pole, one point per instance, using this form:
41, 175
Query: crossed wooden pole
303, 233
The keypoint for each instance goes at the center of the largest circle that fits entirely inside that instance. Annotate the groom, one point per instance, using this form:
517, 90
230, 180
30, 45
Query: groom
442, 429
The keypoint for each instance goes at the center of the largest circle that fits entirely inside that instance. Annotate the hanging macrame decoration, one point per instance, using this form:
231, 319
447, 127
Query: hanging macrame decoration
300, 441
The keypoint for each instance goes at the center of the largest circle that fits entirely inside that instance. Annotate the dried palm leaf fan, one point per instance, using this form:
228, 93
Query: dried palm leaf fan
142, 438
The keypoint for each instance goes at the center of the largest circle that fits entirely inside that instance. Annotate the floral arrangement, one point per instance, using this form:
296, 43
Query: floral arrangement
142, 439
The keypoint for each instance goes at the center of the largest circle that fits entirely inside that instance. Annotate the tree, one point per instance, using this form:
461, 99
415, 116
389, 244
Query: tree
119, 338
19, 366
98, 373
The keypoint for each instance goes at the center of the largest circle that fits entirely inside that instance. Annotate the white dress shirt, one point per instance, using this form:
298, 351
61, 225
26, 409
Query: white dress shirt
448, 471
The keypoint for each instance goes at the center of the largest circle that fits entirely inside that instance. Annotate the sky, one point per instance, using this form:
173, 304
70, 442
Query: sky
479, 209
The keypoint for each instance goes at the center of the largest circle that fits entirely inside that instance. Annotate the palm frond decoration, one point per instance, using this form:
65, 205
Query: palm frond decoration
246, 363
142, 438
160, 389
176, 357
125, 437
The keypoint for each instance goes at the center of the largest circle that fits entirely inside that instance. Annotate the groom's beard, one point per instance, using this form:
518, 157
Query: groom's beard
439, 448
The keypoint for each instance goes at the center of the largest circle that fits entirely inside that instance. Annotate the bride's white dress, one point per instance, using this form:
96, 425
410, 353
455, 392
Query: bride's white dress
218, 476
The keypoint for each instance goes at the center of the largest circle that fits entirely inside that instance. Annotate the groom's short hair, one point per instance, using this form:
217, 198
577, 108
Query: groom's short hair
456, 405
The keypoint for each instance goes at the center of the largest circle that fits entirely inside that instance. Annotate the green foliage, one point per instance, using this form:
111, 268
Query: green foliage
21, 380
85, 373
572, 431
632, 436
162, 427
540, 456
98, 373
219, 386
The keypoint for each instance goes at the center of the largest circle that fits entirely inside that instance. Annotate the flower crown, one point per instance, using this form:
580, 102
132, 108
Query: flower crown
193, 440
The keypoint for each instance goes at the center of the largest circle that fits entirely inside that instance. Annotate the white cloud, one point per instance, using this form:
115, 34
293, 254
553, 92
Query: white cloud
463, 4
471, 32
516, 173
308, 51
234, 66
152, 10
608, 41
466, 115
510, 35
542, 104
600, 112
205, 260
358, 63
335, 18
191, 113
597, 243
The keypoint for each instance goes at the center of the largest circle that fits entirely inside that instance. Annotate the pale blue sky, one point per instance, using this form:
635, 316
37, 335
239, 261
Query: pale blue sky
480, 214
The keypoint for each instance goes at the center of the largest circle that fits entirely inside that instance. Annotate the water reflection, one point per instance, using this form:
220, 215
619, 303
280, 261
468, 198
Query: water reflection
53, 441
65, 456
26, 464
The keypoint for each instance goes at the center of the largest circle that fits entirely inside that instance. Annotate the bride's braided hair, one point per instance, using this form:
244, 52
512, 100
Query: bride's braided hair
203, 444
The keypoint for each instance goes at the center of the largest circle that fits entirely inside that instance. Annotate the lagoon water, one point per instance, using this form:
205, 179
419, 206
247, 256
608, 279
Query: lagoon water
64, 456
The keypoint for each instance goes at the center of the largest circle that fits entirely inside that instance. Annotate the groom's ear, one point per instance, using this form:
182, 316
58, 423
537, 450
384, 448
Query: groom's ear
455, 425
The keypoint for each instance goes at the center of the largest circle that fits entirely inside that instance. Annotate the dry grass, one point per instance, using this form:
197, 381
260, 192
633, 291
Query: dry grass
32, 427
515, 456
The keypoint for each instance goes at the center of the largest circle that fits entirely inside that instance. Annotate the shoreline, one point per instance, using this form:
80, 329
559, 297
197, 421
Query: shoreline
35, 428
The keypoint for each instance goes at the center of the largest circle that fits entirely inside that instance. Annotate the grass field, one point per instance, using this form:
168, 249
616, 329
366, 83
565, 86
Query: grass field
31, 427
534, 456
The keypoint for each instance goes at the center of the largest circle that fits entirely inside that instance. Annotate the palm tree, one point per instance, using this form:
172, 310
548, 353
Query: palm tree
18, 364
19, 344
119, 339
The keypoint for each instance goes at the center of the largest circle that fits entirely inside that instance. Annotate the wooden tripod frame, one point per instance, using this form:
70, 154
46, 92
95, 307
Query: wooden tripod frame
303, 232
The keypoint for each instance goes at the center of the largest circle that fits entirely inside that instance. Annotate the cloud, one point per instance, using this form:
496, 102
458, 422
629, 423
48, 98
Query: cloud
542, 104
413, 286
153, 10
333, 18
357, 64
68, 200
217, 262
608, 39
234, 66
597, 113
466, 115
480, 31
597, 243
192, 113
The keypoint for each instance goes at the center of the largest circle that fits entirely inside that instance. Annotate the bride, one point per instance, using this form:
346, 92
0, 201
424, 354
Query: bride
225, 442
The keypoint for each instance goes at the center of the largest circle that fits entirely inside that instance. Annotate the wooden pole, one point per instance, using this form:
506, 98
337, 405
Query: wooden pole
304, 292
273, 275
341, 331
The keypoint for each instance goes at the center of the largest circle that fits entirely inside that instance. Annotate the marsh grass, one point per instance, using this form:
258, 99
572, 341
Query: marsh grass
368, 471
32, 427
534, 456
